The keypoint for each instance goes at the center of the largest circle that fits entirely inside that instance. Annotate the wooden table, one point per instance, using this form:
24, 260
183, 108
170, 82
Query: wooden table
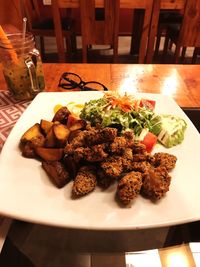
182, 82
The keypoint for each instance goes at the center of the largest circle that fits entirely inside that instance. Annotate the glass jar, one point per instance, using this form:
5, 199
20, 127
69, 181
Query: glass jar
22, 66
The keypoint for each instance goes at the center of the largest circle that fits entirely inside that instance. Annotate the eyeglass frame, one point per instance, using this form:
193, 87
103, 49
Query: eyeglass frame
80, 85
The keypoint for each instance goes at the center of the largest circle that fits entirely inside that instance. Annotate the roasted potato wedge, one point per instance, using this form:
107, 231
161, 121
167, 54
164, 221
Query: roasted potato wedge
30, 139
76, 124
62, 115
49, 154
50, 140
56, 172
61, 134
31, 133
45, 126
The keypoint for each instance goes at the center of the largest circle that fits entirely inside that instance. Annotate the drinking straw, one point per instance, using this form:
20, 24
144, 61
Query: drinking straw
24, 29
5, 40
24, 33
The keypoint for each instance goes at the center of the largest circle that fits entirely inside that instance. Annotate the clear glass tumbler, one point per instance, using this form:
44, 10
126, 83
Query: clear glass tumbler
22, 66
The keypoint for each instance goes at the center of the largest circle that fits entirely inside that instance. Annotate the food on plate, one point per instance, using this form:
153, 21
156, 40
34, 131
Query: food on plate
85, 181
57, 172
130, 113
31, 138
129, 187
61, 115
172, 130
156, 183
49, 154
164, 159
93, 154
45, 126
61, 133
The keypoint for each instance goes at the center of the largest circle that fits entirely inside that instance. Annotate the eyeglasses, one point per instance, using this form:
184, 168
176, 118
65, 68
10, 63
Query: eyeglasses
70, 81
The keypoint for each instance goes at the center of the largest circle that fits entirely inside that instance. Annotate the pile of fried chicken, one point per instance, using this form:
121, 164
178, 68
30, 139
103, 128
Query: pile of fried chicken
104, 157
95, 156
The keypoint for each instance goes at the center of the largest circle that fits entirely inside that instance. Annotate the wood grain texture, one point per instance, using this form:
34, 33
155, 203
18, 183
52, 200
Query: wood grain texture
181, 82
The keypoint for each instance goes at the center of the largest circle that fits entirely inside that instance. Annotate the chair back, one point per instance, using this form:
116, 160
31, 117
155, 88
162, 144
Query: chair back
189, 35
32, 12
102, 30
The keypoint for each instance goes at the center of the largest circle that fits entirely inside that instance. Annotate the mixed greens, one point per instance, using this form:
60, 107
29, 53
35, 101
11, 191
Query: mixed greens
128, 113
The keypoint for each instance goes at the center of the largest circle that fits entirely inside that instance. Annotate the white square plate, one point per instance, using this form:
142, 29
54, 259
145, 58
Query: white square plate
27, 194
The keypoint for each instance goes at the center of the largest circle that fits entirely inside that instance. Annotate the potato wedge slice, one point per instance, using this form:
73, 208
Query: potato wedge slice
49, 154
31, 133
45, 126
56, 172
61, 133
61, 115
75, 123
30, 139
50, 139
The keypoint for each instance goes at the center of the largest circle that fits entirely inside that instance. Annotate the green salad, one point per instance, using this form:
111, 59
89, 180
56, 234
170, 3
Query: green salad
128, 113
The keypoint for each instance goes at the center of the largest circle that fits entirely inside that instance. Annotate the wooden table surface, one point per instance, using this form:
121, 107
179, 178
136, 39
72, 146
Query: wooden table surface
182, 82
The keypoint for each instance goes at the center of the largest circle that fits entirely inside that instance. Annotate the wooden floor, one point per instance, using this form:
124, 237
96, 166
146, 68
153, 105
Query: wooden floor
100, 54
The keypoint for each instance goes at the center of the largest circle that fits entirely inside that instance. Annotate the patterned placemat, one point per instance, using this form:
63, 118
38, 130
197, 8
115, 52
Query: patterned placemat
10, 111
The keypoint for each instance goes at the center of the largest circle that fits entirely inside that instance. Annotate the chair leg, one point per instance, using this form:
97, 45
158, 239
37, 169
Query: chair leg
115, 54
157, 46
195, 54
183, 54
73, 42
84, 51
68, 47
157, 43
177, 53
166, 43
42, 49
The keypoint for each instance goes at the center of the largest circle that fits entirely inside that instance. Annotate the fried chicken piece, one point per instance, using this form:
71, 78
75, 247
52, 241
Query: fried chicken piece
142, 166
127, 158
127, 153
92, 154
118, 145
98, 136
165, 160
140, 157
129, 136
85, 181
104, 180
139, 148
112, 167
156, 183
78, 141
129, 187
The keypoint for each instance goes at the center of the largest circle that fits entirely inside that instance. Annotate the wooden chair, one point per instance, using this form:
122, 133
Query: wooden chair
157, 6
44, 27
99, 30
166, 18
141, 28
188, 35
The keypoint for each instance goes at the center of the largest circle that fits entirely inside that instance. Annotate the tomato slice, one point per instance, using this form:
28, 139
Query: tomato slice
148, 103
149, 141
